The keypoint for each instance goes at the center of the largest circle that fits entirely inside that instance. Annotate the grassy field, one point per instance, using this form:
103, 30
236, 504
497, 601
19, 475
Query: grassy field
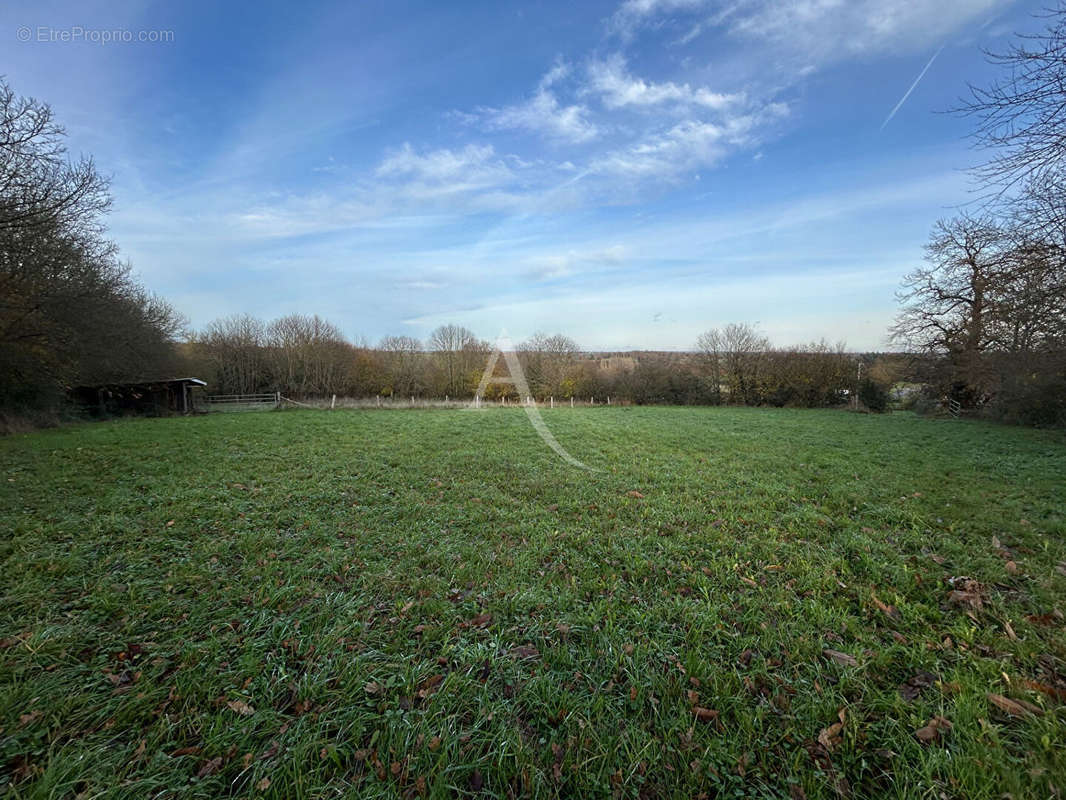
743, 602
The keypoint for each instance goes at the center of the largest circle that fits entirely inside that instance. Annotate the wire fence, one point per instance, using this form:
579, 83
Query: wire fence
393, 402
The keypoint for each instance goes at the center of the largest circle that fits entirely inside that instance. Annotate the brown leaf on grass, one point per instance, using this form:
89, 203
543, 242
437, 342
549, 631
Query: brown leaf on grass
1010, 632
1061, 568
241, 708
524, 651
830, 737
1011, 567
373, 687
170, 523
26, 719
185, 751
937, 559
124, 678
1050, 691
434, 744
889, 611
749, 582
705, 714
841, 658
480, 621
210, 767
1016, 708
916, 684
1041, 619
263, 785
429, 686
635, 493
931, 731
965, 599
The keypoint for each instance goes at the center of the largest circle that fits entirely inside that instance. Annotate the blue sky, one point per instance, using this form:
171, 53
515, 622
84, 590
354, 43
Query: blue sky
630, 173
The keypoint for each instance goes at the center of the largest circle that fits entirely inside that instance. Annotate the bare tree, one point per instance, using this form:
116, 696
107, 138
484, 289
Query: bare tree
733, 355
952, 306
403, 361
454, 347
548, 362
1022, 117
237, 347
710, 347
310, 355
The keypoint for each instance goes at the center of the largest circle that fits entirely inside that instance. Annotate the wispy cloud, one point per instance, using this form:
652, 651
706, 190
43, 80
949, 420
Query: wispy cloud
686, 147
611, 79
543, 113
907, 94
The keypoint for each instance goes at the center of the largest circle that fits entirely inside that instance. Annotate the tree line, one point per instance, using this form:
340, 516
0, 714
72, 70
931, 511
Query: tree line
71, 312
306, 356
982, 323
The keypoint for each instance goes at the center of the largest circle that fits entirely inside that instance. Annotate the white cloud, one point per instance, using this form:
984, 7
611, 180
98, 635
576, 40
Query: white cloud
562, 265
544, 114
632, 13
611, 79
831, 29
686, 147
820, 31
474, 165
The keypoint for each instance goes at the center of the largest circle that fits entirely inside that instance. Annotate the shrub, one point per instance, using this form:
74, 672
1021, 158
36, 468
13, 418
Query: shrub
873, 395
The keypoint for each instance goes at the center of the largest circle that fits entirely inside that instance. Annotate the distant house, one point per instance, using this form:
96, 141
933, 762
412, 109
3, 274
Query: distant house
152, 398
618, 363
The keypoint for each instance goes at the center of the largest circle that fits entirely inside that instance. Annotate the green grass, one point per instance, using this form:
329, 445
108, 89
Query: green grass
433, 603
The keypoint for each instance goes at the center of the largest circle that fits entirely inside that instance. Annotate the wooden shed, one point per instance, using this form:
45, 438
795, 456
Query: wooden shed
154, 398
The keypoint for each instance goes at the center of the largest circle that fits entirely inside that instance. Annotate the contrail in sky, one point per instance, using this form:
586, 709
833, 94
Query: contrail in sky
917, 80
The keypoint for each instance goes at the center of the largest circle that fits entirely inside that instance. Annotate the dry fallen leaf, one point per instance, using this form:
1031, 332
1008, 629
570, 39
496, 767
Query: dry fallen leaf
1050, 691
429, 685
635, 493
830, 738
480, 621
210, 767
1016, 708
434, 744
705, 714
241, 708
263, 785
889, 611
916, 684
961, 598
841, 658
932, 730
373, 687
